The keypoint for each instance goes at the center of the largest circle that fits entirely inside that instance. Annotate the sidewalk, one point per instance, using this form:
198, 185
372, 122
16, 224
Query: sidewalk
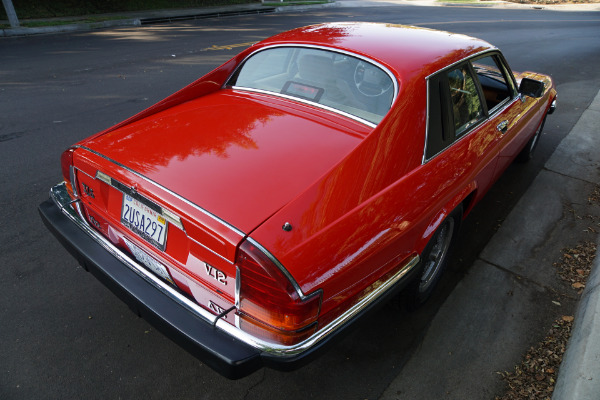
517, 287
138, 18
579, 377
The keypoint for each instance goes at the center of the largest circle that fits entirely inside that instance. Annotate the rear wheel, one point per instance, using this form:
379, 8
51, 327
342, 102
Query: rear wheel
527, 153
435, 258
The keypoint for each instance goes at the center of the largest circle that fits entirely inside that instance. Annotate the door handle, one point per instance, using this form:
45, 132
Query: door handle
502, 126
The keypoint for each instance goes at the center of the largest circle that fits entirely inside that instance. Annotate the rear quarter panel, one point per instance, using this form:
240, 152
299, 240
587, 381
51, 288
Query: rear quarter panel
377, 207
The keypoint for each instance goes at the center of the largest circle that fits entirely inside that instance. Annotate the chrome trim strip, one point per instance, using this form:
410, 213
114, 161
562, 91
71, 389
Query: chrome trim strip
499, 107
62, 199
238, 286
282, 351
332, 50
424, 158
490, 50
281, 268
103, 177
552, 106
73, 181
210, 250
174, 219
311, 103
197, 207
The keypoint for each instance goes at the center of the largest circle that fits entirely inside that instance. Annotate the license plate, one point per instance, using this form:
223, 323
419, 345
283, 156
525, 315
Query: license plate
144, 221
149, 261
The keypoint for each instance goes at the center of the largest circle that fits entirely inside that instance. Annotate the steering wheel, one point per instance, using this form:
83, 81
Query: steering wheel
370, 81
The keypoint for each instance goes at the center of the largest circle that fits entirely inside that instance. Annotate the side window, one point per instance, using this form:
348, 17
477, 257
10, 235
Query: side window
493, 77
455, 105
467, 109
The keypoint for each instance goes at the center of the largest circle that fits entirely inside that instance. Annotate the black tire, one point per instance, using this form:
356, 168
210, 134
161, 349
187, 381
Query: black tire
435, 258
527, 153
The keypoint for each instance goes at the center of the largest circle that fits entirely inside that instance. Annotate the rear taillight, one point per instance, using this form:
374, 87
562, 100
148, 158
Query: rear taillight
66, 162
268, 297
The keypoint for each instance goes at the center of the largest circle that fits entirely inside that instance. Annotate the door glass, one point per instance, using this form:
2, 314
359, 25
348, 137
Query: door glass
493, 82
466, 104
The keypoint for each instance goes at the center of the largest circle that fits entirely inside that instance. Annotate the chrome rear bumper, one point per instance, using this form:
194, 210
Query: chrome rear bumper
552, 106
224, 347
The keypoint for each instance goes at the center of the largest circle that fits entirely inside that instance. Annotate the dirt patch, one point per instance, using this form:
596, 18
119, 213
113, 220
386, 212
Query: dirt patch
535, 377
576, 265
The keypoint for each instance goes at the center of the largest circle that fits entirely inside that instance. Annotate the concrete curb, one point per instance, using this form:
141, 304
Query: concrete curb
22, 31
579, 375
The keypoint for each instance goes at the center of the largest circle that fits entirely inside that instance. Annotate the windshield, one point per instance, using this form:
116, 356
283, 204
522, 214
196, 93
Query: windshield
330, 79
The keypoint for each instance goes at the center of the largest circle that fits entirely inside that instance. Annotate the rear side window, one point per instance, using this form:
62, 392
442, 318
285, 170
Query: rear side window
464, 97
455, 105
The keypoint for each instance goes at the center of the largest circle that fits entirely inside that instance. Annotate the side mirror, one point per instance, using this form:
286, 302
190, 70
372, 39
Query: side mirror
531, 88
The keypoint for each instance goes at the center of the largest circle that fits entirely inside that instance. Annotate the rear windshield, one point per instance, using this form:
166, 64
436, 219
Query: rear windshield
334, 80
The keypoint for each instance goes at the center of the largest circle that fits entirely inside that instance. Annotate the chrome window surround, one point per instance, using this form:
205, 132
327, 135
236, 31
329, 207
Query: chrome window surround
300, 100
284, 271
325, 48
62, 199
499, 108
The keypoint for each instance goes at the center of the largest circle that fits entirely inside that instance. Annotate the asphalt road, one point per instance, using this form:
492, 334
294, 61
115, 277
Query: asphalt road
63, 335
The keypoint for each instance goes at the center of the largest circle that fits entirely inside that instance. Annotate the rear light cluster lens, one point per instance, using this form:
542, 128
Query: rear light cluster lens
66, 162
268, 298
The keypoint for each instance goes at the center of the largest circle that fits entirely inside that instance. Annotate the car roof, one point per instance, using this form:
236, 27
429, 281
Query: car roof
406, 50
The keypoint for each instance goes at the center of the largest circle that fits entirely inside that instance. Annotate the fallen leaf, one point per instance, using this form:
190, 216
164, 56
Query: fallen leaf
578, 285
567, 318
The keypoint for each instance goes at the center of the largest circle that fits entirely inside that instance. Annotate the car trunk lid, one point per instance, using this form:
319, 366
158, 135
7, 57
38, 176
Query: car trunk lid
239, 156
215, 174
